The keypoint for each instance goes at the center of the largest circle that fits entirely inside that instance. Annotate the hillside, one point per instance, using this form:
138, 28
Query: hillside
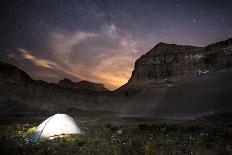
176, 81
20, 94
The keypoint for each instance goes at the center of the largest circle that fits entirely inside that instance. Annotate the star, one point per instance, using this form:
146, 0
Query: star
222, 20
177, 5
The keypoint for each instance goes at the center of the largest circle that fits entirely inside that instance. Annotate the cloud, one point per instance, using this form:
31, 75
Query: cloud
46, 64
37, 61
64, 42
106, 56
114, 71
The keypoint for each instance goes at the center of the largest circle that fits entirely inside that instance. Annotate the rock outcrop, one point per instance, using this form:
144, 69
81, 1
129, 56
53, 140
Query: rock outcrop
175, 81
173, 62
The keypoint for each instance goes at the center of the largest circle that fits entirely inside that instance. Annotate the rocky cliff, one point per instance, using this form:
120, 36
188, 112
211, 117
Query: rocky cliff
173, 62
181, 81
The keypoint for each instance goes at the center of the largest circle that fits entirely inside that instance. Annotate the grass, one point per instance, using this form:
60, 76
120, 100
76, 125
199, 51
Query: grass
124, 137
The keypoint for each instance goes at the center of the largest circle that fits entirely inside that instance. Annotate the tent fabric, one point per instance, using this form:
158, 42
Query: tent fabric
56, 125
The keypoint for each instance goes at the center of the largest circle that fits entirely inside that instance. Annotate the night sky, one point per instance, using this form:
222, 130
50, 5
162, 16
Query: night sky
99, 40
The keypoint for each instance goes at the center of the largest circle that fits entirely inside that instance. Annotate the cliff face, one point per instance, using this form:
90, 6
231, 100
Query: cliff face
181, 81
170, 61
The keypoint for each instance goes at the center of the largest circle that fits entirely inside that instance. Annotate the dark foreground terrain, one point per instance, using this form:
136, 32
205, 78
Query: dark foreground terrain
207, 135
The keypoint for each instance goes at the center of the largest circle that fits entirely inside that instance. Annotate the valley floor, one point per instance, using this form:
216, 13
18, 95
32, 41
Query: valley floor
124, 136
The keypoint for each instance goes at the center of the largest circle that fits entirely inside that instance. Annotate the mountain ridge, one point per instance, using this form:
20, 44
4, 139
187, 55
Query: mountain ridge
169, 81
176, 61
82, 85
11, 73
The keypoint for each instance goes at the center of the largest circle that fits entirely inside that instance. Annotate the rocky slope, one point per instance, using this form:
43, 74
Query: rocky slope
200, 95
181, 81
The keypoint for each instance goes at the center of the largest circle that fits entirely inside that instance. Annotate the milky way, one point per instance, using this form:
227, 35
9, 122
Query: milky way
99, 40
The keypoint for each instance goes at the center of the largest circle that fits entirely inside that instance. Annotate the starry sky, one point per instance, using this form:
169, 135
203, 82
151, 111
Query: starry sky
99, 40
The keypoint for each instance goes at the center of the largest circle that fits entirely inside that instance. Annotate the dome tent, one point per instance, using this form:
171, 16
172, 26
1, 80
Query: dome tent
55, 126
